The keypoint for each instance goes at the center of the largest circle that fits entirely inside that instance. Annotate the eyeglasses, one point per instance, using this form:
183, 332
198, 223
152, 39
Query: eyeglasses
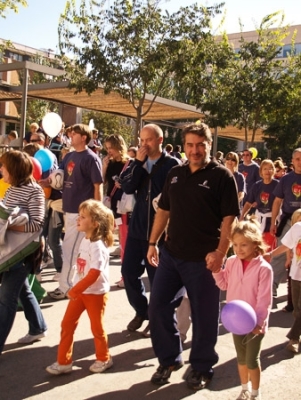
34, 140
231, 159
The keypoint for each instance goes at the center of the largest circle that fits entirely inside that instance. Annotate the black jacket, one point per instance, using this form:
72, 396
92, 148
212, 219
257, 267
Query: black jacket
136, 180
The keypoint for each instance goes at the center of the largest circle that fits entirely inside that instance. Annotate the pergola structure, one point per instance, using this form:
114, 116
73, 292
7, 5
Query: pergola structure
161, 110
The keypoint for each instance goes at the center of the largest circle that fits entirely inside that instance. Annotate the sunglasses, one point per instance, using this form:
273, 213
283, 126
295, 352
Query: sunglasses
231, 159
34, 140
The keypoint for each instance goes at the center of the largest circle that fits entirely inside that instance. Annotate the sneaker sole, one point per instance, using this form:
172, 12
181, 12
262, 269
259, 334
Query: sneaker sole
55, 372
101, 371
200, 386
166, 380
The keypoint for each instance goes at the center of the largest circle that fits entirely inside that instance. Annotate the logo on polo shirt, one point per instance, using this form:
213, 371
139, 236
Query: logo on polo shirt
204, 184
174, 179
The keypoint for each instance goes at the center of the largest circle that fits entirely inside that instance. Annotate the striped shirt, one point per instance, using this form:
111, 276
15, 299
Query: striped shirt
30, 198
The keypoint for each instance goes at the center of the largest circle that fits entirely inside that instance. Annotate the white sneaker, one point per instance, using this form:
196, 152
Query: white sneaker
101, 366
32, 338
116, 252
58, 369
57, 294
293, 345
244, 395
56, 277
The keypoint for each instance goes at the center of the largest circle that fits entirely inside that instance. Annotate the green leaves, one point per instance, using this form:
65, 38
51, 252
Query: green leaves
133, 47
13, 5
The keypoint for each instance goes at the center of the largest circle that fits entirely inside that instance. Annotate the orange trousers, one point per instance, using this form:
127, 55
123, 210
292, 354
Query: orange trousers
95, 306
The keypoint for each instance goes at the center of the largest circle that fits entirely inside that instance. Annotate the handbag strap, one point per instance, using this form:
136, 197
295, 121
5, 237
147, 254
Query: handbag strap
115, 187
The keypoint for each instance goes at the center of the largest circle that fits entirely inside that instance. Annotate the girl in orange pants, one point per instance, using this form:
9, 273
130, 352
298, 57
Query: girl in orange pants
91, 286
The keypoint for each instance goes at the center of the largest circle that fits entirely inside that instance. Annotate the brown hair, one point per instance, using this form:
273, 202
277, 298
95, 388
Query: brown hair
118, 143
105, 221
83, 130
19, 166
31, 148
200, 129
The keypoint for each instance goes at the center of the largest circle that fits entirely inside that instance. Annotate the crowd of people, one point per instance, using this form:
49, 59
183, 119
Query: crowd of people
199, 224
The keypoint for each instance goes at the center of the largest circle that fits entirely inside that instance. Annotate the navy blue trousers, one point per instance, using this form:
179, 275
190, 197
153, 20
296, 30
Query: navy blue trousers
171, 277
133, 266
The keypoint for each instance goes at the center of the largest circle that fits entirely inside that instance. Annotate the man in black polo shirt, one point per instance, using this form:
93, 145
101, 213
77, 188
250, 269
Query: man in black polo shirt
200, 201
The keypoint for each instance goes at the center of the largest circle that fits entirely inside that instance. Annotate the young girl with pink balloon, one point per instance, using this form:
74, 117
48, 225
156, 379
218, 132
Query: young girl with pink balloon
248, 276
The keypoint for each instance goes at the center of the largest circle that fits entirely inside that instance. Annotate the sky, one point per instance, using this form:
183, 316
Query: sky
36, 25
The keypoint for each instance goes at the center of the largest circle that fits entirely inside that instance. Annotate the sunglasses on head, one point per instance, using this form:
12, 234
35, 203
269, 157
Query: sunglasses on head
34, 140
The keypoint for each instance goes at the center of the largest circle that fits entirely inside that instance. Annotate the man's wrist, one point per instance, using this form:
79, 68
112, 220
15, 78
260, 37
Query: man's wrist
221, 252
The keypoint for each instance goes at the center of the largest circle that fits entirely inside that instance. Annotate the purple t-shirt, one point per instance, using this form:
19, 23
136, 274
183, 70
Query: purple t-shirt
250, 172
262, 194
82, 170
289, 189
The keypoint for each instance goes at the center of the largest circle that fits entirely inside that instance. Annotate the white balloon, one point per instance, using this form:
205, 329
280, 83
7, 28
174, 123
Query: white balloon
91, 124
52, 124
56, 179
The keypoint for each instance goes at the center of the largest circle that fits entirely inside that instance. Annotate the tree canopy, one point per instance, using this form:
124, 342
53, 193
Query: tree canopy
247, 87
133, 47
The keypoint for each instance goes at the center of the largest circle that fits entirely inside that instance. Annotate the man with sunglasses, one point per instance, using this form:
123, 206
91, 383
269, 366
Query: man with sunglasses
249, 169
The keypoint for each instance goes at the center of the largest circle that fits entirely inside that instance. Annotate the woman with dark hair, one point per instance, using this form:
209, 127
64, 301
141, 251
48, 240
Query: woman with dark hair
24, 192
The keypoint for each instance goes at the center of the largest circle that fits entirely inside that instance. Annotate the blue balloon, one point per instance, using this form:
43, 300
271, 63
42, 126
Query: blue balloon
239, 317
46, 159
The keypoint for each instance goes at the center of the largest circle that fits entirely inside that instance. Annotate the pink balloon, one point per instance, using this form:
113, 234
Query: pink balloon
238, 317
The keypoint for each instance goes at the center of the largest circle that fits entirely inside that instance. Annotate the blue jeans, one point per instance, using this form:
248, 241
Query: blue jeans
133, 266
168, 288
15, 286
55, 228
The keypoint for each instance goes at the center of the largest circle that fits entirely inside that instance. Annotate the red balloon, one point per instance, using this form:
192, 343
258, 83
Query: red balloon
37, 168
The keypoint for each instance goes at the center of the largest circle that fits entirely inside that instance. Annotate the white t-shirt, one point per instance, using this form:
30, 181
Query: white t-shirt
93, 255
292, 240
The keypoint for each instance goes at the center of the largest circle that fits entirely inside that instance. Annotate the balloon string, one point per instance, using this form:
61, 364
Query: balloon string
245, 341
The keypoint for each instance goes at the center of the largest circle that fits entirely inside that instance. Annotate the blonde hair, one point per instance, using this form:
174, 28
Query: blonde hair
232, 154
105, 220
250, 229
264, 163
295, 216
117, 142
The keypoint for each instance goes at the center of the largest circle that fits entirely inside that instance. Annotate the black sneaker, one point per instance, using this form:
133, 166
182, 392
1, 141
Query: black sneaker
162, 374
199, 380
135, 323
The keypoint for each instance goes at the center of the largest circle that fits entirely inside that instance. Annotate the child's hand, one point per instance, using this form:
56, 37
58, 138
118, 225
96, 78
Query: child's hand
257, 330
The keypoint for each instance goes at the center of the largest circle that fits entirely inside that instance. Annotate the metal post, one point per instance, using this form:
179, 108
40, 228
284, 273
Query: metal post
24, 104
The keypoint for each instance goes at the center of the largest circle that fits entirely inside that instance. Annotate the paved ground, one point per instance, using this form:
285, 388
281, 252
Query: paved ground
23, 375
